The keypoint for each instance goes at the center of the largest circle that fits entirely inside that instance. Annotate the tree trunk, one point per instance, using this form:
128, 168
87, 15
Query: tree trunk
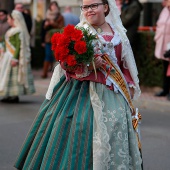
7, 5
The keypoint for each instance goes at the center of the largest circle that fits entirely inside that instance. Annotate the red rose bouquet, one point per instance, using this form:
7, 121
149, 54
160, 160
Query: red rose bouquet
73, 47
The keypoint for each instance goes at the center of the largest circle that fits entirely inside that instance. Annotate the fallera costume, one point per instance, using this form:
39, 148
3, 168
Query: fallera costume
86, 123
18, 80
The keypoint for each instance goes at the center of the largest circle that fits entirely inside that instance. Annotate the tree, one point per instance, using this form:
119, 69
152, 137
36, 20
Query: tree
7, 5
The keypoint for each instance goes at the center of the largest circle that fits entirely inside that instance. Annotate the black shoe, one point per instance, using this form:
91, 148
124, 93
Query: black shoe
14, 99
161, 94
168, 97
5, 99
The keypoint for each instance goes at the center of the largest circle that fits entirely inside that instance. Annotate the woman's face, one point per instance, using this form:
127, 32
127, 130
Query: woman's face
94, 11
10, 21
54, 7
168, 3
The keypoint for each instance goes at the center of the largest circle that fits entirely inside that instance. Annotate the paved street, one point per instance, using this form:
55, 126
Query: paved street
16, 119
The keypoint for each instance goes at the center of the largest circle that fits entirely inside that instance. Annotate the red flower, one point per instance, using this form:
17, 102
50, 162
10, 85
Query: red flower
77, 35
54, 40
63, 40
61, 53
70, 46
69, 30
71, 61
80, 47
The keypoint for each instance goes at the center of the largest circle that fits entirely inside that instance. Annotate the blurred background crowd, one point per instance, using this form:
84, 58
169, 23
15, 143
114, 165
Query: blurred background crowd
147, 24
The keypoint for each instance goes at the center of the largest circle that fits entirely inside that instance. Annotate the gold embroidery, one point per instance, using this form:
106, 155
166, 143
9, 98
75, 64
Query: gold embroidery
11, 50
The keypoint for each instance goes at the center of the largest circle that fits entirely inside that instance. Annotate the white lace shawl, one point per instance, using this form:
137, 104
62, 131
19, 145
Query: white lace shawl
113, 19
24, 55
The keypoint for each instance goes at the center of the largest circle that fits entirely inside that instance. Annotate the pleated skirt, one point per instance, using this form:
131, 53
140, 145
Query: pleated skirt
13, 88
61, 136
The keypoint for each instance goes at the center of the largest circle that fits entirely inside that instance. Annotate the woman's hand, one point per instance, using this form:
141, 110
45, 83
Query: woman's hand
14, 63
98, 61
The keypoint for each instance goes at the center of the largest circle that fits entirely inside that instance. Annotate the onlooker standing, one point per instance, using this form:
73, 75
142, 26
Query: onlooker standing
54, 22
32, 36
69, 17
119, 4
162, 39
27, 17
4, 26
130, 16
32, 32
15, 72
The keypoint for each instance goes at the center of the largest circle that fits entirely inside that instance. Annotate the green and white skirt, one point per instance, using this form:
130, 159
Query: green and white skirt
77, 130
13, 88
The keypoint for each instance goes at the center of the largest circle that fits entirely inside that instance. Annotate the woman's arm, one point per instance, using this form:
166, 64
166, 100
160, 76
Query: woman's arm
124, 69
15, 41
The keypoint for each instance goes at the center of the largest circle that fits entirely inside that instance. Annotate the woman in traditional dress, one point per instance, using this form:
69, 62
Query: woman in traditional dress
15, 72
86, 123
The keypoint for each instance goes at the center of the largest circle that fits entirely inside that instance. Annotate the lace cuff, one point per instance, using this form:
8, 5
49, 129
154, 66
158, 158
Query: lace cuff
16, 60
131, 85
84, 73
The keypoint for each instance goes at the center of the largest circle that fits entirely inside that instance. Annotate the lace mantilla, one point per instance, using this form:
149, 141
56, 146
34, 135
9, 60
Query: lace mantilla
85, 73
113, 19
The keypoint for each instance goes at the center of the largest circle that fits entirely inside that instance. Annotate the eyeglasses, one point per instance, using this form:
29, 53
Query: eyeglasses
92, 6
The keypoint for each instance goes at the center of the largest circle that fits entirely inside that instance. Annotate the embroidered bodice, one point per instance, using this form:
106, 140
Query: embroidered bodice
115, 53
111, 44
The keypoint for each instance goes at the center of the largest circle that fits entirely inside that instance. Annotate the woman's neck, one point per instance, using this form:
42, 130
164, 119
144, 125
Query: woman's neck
100, 27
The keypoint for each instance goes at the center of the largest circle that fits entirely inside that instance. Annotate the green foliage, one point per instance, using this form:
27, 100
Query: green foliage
149, 68
88, 38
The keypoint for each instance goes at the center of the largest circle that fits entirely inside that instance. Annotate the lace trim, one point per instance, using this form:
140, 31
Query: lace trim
131, 65
57, 74
13, 59
85, 73
131, 85
101, 146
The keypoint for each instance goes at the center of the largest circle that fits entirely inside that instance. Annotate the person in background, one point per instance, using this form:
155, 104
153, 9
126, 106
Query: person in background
130, 15
54, 22
162, 39
164, 3
4, 26
32, 36
27, 17
119, 4
32, 33
69, 17
15, 71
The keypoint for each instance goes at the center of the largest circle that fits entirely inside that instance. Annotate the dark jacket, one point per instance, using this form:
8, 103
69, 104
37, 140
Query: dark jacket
55, 26
130, 16
28, 21
4, 26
